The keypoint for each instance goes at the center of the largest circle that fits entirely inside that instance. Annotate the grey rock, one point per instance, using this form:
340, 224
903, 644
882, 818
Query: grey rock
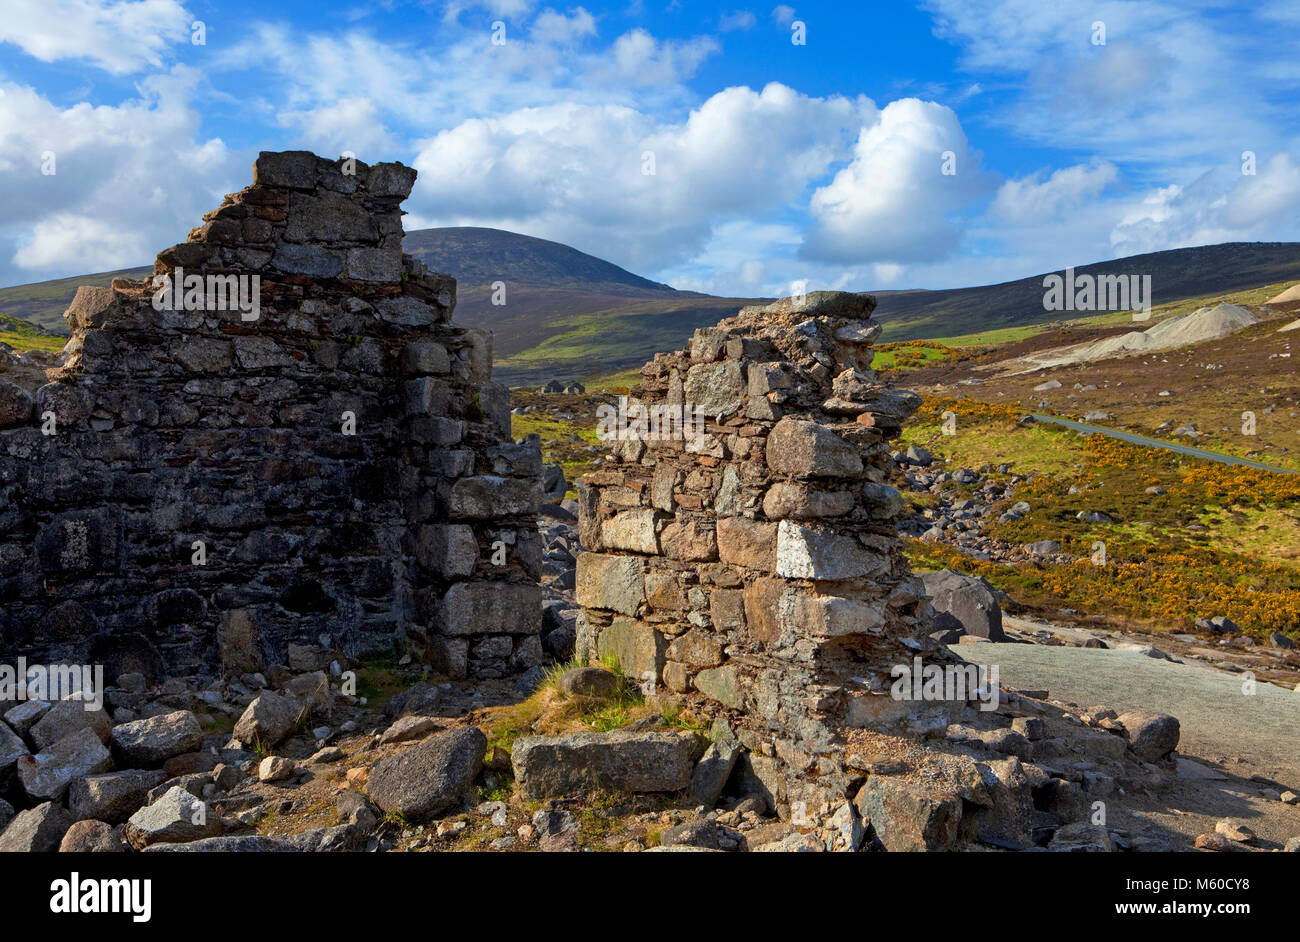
433, 776
698, 832
910, 816
175, 818
15, 404
36, 830
562, 766
713, 770
590, 682
113, 796
1151, 736
268, 720
12, 748
47, 775
417, 700
968, 599
66, 717
152, 741
232, 844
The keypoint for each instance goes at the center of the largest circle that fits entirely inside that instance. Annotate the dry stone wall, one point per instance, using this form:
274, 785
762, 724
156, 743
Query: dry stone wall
751, 564
324, 468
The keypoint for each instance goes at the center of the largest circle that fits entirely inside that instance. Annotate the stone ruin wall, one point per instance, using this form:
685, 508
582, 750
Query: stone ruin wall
755, 571
177, 426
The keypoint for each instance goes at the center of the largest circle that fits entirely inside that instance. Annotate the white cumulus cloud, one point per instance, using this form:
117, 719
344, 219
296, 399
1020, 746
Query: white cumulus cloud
893, 202
118, 36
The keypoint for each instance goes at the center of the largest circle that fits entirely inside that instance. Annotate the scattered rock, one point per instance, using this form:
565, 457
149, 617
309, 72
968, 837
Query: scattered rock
47, 775
1151, 736
67, 717
92, 837
408, 728
556, 830
1217, 842
621, 760
175, 818
590, 682
420, 700
1234, 831
268, 720
152, 741
36, 830
712, 771
433, 776
909, 816
276, 769
968, 599
112, 797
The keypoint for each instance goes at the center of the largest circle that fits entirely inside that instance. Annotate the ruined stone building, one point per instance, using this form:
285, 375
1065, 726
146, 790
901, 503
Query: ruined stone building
200, 486
753, 562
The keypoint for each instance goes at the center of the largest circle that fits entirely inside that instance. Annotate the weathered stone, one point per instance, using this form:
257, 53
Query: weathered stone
748, 543
175, 818
806, 449
813, 553
36, 830
1151, 736
832, 617
92, 837
637, 648
15, 404
712, 771
276, 769
590, 682
67, 717
152, 741
716, 389
573, 765
968, 599
47, 775
12, 748
689, 541
492, 496
431, 777
268, 719
408, 728
471, 608
451, 550
721, 684
631, 530
614, 583
113, 796
801, 502
909, 816
426, 357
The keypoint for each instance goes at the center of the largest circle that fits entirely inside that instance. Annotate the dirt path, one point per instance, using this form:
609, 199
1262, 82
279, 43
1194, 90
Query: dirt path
1219, 722
1157, 443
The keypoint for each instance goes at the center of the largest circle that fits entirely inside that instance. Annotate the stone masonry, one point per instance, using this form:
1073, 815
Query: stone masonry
755, 568
195, 488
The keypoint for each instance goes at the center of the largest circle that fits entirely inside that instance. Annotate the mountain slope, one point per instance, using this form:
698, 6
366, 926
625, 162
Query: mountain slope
568, 314
480, 256
1175, 274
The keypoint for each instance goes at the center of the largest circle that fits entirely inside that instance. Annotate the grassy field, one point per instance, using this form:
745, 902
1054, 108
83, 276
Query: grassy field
569, 442
22, 335
1215, 540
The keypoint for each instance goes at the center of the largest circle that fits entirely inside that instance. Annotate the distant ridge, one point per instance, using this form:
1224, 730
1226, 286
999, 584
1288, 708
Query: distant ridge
1176, 274
568, 314
479, 256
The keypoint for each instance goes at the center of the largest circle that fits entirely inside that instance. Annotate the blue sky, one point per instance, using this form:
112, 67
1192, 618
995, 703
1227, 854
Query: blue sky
1073, 130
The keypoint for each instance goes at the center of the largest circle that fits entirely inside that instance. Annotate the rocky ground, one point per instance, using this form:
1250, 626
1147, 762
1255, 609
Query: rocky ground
326, 755
576, 759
